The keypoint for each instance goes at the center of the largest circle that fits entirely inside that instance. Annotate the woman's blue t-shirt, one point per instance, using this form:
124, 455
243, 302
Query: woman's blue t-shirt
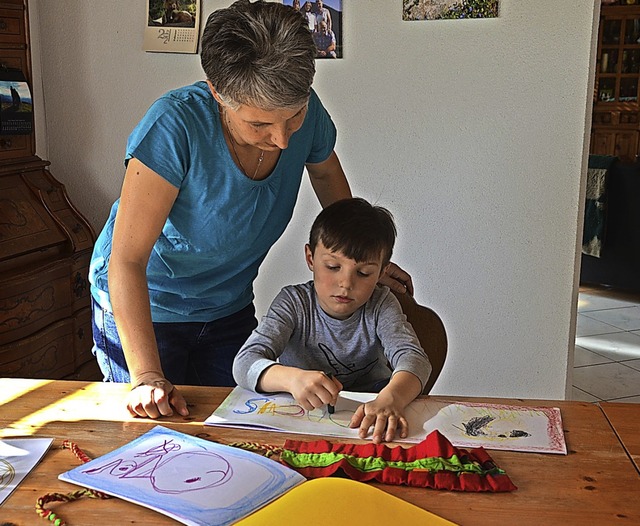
222, 223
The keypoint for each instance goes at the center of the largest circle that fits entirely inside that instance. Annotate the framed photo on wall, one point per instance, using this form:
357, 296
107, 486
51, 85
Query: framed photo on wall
448, 9
16, 103
325, 23
173, 26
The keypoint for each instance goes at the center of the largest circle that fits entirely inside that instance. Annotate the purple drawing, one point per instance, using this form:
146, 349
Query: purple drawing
192, 480
171, 471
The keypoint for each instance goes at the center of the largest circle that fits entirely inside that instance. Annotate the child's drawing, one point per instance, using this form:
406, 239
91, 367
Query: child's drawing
264, 405
496, 426
273, 406
18, 456
168, 470
464, 424
478, 426
280, 412
7, 473
209, 483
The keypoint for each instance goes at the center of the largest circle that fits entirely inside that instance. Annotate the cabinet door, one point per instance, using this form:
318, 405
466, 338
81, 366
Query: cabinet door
623, 144
626, 145
603, 143
619, 57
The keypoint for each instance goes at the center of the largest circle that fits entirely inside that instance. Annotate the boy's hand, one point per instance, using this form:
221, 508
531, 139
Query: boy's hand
313, 389
384, 415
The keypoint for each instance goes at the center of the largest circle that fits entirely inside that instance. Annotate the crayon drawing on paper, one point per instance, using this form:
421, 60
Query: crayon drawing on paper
189, 479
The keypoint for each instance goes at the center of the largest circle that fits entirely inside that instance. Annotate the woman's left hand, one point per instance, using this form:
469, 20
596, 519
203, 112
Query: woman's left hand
396, 279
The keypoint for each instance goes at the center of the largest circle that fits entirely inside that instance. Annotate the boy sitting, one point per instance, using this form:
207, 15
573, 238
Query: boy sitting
341, 330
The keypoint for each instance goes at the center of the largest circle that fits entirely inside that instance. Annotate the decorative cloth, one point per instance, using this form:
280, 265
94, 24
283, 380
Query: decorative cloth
433, 463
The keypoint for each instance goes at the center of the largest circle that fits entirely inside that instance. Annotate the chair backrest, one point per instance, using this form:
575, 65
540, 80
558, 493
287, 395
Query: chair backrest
431, 334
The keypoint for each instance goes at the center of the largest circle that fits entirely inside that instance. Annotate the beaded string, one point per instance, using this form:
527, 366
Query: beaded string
263, 449
45, 513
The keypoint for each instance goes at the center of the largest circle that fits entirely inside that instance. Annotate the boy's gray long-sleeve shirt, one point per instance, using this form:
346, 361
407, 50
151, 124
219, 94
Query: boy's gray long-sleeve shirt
361, 351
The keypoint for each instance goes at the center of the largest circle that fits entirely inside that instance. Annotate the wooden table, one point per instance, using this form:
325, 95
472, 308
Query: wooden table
625, 420
596, 483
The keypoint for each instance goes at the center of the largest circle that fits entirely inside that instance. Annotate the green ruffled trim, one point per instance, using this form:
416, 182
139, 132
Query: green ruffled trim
368, 464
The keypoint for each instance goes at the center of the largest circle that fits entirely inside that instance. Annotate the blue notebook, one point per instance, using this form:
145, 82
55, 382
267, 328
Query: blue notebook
192, 480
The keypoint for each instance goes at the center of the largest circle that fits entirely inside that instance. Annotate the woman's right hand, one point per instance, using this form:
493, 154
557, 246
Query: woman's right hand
145, 203
153, 396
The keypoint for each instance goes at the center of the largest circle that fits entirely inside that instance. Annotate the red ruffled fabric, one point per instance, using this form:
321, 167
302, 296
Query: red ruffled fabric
434, 445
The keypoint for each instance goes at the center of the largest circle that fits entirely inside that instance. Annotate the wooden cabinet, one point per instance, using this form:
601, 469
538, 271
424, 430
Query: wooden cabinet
616, 112
45, 248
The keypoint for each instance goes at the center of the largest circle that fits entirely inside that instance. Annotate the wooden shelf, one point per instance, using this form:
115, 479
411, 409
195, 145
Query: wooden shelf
616, 107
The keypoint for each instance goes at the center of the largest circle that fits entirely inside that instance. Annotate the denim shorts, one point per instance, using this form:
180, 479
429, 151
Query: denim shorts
191, 353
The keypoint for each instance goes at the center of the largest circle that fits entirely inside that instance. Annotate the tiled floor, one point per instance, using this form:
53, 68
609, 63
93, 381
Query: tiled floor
607, 355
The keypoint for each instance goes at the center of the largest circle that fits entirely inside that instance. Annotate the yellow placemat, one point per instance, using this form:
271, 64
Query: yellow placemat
340, 502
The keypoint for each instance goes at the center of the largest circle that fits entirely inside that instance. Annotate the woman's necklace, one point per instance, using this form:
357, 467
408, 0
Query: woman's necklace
233, 145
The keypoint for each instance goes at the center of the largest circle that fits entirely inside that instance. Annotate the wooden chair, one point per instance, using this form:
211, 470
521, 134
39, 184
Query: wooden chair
431, 334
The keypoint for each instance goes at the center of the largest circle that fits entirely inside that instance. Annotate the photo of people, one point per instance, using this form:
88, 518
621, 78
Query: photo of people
325, 22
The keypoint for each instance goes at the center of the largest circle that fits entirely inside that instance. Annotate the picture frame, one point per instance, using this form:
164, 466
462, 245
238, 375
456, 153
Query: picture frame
449, 9
172, 26
325, 23
16, 103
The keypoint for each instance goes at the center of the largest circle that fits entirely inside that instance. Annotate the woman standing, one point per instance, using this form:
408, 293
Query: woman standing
212, 175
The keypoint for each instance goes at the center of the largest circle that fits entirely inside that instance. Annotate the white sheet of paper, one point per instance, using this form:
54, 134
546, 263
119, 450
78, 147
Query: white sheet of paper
18, 456
493, 426
192, 480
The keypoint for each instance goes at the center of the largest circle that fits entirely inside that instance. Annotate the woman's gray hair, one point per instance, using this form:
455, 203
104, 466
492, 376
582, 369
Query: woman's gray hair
260, 54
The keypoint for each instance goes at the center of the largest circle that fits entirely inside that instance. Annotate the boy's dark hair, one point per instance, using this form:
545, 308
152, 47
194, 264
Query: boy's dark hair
358, 229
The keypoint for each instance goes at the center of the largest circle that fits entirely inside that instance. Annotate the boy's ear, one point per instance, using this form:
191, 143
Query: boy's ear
308, 256
384, 269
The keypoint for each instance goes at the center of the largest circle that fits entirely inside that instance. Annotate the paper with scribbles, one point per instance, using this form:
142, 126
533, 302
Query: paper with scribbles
465, 424
18, 456
192, 480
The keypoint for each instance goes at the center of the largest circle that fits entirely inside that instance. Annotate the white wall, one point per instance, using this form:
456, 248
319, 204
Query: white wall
471, 132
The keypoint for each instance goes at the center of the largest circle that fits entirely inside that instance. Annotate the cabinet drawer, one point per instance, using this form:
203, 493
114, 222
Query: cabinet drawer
12, 146
46, 354
14, 59
32, 301
12, 26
